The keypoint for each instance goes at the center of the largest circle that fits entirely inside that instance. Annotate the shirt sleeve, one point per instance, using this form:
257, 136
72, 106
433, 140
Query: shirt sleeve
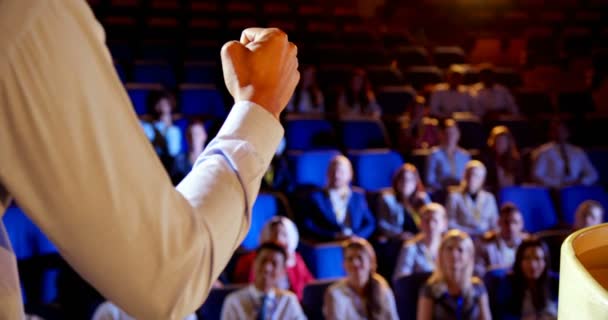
405, 262
75, 158
589, 174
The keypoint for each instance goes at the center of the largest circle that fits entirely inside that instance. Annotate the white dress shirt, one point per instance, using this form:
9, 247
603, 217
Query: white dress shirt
445, 101
550, 166
245, 304
473, 216
75, 158
109, 311
496, 98
339, 201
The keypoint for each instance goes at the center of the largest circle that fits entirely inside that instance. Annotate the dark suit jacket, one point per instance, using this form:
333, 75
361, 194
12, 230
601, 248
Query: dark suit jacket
319, 221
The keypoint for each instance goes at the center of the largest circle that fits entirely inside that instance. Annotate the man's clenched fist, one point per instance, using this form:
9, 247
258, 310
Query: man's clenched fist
261, 68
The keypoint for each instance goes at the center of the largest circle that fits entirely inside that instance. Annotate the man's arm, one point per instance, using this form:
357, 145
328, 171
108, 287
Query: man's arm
76, 160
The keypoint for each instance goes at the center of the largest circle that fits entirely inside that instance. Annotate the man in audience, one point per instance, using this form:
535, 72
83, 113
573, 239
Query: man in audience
469, 207
492, 98
452, 96
559, 164
262, 299
497, 248
446, 163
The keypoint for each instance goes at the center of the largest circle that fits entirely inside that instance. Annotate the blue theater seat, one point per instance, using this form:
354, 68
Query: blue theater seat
311, 167
313, 296
265, 207
363, 134
535, 204
406, 290
138, 93
200, 72
373, 169
154, 72
201, 100
212, 308
599, 158
571, 197
324, 260
309, 134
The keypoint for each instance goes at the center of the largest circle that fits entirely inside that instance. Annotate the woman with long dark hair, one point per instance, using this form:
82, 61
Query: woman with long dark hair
363, 294
526, 291
398, 212
308, 97
503, 160
358, 99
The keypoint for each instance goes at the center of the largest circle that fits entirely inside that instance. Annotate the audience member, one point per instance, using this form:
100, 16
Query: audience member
278, 177
363, 294
109, 311
496, 249
358, 99
588, 213
502, 160
263, 299
446, 163
526, 293
282, 231
559, 164
491, 98
469, 207
452, 292
164, 135
451, 96
308, 97
420, 253
196, 137
418, 131
398, 211
339, 211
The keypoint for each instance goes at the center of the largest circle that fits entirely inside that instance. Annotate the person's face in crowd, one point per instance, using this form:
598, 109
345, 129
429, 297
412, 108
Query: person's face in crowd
454, 79
408, 184
198, 135
433, 223
475, 178
163, 106
511, 226
593, 217
341, 173
268, 267
307, 78
358, 265
533, 263
451, 136
278, 234
454, 254
357, 82
501, 145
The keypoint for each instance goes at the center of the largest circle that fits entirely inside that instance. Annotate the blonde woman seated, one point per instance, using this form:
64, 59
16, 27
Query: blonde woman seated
588, 213
469, 207
398, 212
452, 292
420, 253
363, 294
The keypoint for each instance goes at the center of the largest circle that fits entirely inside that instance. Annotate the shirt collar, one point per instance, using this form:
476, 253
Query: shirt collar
259, 294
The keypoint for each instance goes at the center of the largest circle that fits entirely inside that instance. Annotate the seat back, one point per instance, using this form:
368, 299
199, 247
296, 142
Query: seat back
406, 290
212, 308
571, 197
265, 207
201, 100
313, 296
311, 167
324, 260
535, 204
363, 134
309, 134
374, 169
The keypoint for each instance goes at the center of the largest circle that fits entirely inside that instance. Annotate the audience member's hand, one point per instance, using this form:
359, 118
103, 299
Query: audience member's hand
261, 68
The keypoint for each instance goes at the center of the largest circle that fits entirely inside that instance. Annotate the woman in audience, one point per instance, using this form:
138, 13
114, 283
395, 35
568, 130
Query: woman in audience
164, 135
452, 292
420, 253
469, 207
502, 160
418, 131
283, 231
307, 98
446, 163
588, 213
452, 96
363, 294
196, 137
358, 99
397, 213
340, 211
526, 293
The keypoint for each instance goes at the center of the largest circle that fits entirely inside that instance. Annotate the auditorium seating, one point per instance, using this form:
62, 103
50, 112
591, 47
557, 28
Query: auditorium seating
266, 206
571, 197
311, 167
535, 204
212, 308
374, 169
324, 260
406, 290
312, 300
